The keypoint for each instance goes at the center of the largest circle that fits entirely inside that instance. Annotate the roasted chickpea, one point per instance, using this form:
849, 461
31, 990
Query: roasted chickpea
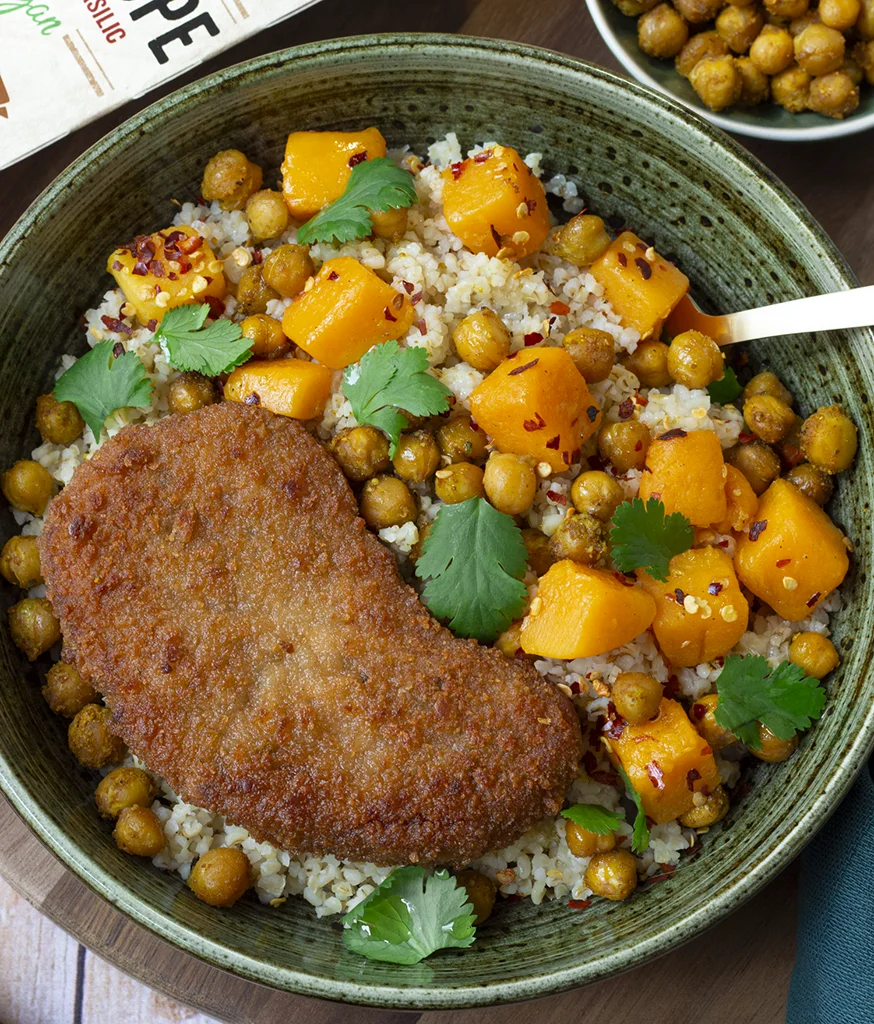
791, 88
190, 391
717, 82
124, 787
267, 214
265, 333
230, 177
758, 463
58, 422
768, 417
865, 21
819, 50
580, 538
361, 451
612, 875
799, 24
390, 224
90, 740
592, 352
417, 456
287, 269
624, 444
833, 95
634, 8
509, 642
460, 441
582, 240
767, 383
510, 483
65, 691
756, 86
864, 57
851, 66
481, 892
703, 717
416, 549
637, 696
221, 876
695, 360
739, 26
839, 14
773, 749
786, 10
705, 44
772, 50
662, 32
829, 439
649, 363
19, 562
386, 501
482, 340
459, 482
814, 653
537, 550
812, 482
253, 292
33, 627
712, 808
583, 843
28, 486
597, 494
697, 11
138, 832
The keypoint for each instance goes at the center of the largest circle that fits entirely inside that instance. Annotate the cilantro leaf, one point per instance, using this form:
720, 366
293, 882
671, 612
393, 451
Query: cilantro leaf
376, 185
593, 818
783, 699
408, 917
643, 537
389, 378
640, 836
726, 389
188, 345
473, 559
98, 383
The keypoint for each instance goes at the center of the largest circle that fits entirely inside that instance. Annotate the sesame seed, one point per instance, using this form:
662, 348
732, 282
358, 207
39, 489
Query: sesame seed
162, 299
521, 238
728, 613
522, 211
97, 333
199, 284
127, 310
241, 257
536, 606
544, 469
690, 604
790, 583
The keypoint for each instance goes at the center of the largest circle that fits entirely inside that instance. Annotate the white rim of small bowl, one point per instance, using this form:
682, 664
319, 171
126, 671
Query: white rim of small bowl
831, 130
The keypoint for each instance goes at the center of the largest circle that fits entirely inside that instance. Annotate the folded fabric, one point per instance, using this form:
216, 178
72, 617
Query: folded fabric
833, 980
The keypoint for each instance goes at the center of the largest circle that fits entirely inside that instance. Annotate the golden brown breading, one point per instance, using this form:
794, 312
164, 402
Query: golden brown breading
259, 649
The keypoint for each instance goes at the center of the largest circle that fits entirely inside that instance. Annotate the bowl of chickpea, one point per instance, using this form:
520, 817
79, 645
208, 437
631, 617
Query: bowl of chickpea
787, 70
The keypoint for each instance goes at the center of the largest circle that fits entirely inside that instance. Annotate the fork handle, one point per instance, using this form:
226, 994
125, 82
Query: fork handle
836, 311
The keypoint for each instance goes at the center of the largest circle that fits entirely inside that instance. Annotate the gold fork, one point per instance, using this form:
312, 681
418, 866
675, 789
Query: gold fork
836, 311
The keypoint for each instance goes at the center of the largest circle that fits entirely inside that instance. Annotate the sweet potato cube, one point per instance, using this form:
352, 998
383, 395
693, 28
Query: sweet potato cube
495, 204
579, 612
317, 166
700, 611
287, 387
667, 762
686, 472
793, 556
643, 289
347, 311
537, 403
741, 502
170, 268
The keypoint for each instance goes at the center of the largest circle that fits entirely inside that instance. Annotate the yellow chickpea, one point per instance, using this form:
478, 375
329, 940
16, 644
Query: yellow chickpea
267, 214
767, 383
510, 483
790, 89
704, 44
537, 552
819, 49
19, 562
662, 32
28, 486
482, 340
459, 482
287, 269
230, 177
481, 892
773, 749
592, 352
386, 501
758, 463
417, 456
649, 363
582, 240
509, 643
712, 808
138, 832
813, 482
786, 10
814, 653
389, 224
625, 444
596, 493
460, 441
65, 691
739, 26
772, 50
124, 787
637, 696
33, 626
702, 716
697, 11
834, 95
829, 439
717, 82
221, 876
265, 333
839, 14
583, 843
612, 875
768, 417
695, 360
755, 85
90, 739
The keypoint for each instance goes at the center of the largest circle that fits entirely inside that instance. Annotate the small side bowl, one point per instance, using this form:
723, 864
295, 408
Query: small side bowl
767, 121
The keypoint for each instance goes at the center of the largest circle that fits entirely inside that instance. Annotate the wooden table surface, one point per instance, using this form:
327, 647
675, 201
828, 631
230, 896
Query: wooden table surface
737, 972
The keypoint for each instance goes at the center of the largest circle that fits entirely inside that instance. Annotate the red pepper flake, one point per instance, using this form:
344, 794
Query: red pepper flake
566, 458
623, 579
714, 588
387, 313
575, 688
679, 595
623, 259
699, 711
644, 268
531, 204
783, 561
758, 528
257, 257
722, 544
559, 308
116, 265
152, 325
592, 413
172, 277
140, 268
118, 349
557, 497
423, 327
173, 237
638, 446
656, 775
523, 368
115, 325
495, 235
672, 686
481, 158
533, 338
457, 169
409, 287
672, 435
626, 409
415, 299
216, 306
576, 455
554, 442
691, 778
520, 653
357, 158
579, 904
745, 438
189, 244
536, 424
596, 462
812, 601
473, 424
606, 778
253, 399
333, 276
615, 724
156, 268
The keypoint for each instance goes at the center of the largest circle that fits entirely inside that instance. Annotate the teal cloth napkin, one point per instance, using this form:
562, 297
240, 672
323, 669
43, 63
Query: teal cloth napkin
833, 980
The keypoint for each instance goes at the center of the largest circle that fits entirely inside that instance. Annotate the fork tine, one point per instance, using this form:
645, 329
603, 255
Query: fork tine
686, 316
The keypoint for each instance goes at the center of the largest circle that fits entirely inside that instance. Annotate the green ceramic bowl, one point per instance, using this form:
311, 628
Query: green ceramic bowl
765, 122
641, 160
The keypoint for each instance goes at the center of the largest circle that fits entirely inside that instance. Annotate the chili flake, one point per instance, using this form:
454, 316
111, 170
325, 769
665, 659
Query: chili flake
559, 308
672, 435
623, 259
691, 777
357, 158
656, 775
783, 561
533, 338
626, 409
714, 588
758, 528
644, 268
554, 442
812, 601
536, 424
523, 368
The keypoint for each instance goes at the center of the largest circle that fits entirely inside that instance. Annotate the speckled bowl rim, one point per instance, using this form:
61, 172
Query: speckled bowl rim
828, 130
728, 893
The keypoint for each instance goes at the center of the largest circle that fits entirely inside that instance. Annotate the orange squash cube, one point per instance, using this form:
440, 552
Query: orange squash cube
287, 387
579, 612
793, 556
317, 166
667, 762
686, 472
494, 204
173, 267
642, 289
346, 312
537, 403
700, 611
742, 502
